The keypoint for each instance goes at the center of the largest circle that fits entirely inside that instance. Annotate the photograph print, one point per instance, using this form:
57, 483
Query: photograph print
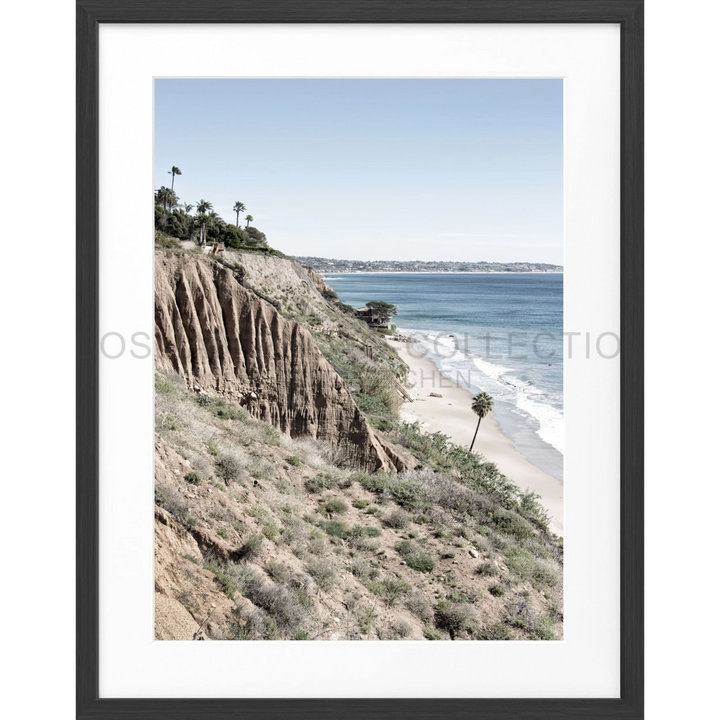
359, 427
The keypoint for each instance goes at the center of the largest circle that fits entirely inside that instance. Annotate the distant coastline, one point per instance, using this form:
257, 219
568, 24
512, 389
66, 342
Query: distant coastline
333, 265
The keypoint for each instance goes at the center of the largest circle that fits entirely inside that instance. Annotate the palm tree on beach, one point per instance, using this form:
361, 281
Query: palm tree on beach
238, 207
249, 219
482, 404
175, 171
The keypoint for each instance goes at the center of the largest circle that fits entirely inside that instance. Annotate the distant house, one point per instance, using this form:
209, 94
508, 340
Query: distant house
373, 317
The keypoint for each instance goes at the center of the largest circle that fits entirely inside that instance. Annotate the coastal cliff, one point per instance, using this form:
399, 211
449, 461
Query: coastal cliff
223, 338
292, 502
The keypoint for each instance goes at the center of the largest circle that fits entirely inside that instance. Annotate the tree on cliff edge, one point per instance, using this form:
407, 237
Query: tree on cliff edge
238, 207
385, 309
203, 207
175, 171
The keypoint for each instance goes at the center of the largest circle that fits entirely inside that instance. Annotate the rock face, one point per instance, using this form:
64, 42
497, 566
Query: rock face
223, 339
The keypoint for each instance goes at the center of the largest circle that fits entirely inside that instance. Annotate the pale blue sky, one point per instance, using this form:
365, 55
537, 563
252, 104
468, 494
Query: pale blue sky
374, 169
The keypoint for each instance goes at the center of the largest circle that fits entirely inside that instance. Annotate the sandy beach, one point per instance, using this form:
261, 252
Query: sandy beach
451, 415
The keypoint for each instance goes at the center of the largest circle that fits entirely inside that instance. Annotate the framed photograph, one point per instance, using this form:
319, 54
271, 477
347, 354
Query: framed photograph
360, 389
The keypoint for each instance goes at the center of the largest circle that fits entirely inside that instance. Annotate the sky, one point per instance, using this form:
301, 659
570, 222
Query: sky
409, 169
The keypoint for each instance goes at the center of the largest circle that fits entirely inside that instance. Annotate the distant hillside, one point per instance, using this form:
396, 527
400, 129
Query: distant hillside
332, 265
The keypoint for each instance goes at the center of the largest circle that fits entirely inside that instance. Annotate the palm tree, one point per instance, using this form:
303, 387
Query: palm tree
188, 207
166, 197
203, 207
175, 171
238, 207
482, 404
249, 219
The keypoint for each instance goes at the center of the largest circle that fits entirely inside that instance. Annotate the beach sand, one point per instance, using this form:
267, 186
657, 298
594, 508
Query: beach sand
452, 416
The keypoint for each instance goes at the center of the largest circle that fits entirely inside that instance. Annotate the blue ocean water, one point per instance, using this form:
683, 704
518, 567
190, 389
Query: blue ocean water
499, 333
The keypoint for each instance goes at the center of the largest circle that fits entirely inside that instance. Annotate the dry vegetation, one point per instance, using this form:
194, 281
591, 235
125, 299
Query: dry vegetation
266, 537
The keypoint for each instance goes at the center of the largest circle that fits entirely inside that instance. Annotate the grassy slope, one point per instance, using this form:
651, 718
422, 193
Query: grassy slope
451, 549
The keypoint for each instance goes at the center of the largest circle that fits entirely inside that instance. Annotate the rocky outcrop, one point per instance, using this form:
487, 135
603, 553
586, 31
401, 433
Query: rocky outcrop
398, 456
223, 339
317, 281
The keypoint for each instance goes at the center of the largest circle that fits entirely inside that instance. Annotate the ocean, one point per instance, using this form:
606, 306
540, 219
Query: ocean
499, 333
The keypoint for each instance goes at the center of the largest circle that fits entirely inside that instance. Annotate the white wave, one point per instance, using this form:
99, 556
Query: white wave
477, 374
496, 372
549, 418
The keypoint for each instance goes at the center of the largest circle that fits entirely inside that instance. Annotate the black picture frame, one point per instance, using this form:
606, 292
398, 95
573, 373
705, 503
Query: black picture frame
629, 15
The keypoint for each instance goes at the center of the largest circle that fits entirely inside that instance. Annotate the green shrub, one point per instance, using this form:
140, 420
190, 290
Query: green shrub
456, 618
335, 506
414, 556
319, 483
278, 571
360, 531
496, 590
360, 504
360, 568
163, 385
169, 422
487, 569
365, 543
512, 524
391, 588
533, 510
228, 413
374, 586
381, 423
394, 588
275, 599
228, 468
400, 628
225, 581
376, 483
293, 460
252, 547
398, 519
543, 629
529, 568
271, 532
494, 632
335, 528
166, 241
193, 477
430, 633
418, 604
322, 572
460, 596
